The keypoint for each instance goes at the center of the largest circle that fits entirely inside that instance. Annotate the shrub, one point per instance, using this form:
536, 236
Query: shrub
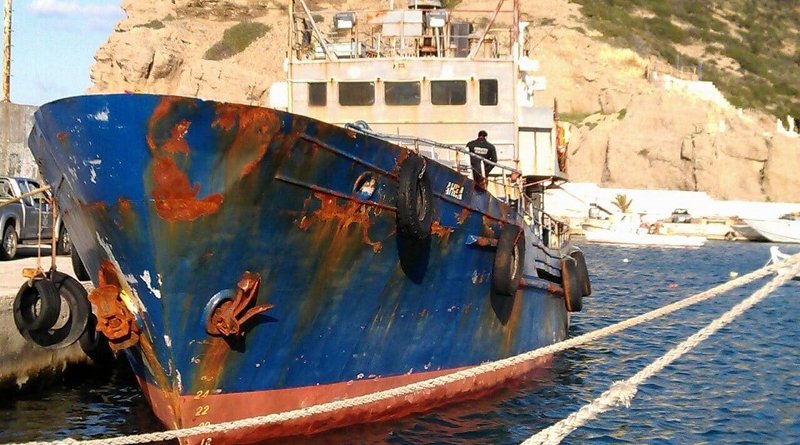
152, 24
236, 39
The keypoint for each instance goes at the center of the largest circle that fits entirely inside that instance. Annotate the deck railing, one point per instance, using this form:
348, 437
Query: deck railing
508, 185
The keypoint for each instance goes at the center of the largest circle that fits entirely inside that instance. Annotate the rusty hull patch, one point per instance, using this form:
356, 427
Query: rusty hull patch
353, 212
255, 128
176, 143
441, 231
175, 198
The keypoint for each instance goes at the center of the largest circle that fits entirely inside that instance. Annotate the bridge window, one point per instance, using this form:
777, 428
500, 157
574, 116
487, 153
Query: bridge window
402, 93
488, 91
448, 92
356, 93
317, 93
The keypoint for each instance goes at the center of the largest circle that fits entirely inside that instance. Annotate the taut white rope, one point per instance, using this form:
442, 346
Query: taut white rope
432, 383
623, 392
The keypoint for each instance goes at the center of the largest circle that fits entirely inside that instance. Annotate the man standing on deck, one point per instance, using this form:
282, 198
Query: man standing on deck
483, 148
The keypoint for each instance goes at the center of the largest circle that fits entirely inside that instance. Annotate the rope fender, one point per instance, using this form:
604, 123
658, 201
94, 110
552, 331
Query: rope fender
793, 261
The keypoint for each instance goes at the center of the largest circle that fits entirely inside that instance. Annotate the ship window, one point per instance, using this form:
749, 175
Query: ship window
488, 91
401, 93
317, 93
448, 92
356, 93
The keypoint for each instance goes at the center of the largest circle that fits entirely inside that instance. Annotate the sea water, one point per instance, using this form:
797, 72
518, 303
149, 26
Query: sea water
740, 386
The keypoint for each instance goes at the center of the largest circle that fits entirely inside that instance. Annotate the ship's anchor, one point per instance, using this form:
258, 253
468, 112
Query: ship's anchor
230, 314
114, 319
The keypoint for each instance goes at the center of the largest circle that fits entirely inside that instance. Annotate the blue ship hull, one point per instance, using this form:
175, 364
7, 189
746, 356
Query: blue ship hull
173, 201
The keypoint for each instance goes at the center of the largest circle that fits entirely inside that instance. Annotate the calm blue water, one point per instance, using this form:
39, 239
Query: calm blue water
741, 386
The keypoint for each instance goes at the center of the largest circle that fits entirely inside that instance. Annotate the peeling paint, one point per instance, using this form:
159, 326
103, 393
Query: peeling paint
145, 276
101, 115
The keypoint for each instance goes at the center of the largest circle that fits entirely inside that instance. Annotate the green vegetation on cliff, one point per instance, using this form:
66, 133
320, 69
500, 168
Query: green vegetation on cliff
235, 39
748, 48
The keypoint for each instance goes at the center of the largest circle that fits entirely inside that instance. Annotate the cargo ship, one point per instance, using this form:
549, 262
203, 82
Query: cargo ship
252, 260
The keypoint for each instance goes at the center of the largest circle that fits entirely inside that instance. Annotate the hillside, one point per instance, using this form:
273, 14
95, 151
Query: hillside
628, 132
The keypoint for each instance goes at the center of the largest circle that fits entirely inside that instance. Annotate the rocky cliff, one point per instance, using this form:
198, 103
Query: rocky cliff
629, 132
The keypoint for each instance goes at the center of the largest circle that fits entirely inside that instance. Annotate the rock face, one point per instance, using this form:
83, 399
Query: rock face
637, 134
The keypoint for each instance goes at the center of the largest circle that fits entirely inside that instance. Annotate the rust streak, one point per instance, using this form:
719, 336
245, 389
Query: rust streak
441, 231
256, 127
352, 212
160, 112
124, 205
177, 143
462, 216
175, 198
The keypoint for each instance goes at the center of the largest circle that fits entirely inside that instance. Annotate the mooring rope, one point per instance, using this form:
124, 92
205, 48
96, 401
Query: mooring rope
469, 373
621, 393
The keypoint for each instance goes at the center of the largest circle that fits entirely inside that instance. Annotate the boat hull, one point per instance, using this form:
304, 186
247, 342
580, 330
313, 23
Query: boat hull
777, 230
642, 239
177, 201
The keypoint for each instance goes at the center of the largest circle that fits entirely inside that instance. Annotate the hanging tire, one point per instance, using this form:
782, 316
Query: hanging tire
63, 245
73, 294
94, 344
508, 260
583, 272
8, 250
573, 292
414, 199
36, 306
78, 267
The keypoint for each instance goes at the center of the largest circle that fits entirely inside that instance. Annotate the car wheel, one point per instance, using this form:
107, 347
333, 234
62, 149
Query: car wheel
64, 245
9, 247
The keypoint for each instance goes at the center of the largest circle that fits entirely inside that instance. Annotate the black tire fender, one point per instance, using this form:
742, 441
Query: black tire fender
74, 295
94, 344
414, 199
583, 272
508, 260
78, 267
573, 293
36, 306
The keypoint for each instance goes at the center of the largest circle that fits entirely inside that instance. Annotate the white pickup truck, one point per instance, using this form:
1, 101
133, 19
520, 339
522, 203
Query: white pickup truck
20, 221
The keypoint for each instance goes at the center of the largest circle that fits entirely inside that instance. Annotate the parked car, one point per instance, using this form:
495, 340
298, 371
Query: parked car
20, 217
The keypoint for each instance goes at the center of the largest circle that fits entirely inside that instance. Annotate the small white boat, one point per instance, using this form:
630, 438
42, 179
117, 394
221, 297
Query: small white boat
642, 239
630, 231
776, 256
786, 229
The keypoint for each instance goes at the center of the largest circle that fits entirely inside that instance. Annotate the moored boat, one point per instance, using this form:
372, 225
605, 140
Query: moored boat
785, 229
628, 229
251, 260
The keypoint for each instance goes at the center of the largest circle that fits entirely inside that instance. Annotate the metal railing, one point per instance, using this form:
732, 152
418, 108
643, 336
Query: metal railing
509, 185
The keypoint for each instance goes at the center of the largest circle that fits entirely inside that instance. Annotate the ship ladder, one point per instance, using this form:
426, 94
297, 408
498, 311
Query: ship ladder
619, 393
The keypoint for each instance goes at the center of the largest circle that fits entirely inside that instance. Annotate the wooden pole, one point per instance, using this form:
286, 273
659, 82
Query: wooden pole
7, 52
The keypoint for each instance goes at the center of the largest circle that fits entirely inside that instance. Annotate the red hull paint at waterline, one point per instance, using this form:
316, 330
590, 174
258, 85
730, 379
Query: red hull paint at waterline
243, 252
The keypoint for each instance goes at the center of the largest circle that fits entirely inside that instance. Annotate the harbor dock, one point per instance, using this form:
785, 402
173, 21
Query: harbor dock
20, 360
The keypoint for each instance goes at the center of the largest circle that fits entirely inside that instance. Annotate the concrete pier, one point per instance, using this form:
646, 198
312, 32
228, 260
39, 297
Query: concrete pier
21, 360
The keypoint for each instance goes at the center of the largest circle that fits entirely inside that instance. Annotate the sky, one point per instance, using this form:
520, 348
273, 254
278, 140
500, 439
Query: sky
53, 43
